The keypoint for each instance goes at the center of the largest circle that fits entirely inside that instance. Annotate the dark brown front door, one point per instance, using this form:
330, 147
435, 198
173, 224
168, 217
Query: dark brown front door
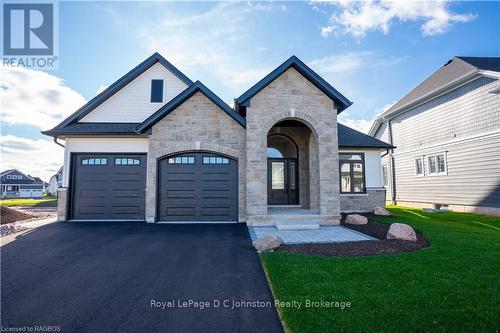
282, 181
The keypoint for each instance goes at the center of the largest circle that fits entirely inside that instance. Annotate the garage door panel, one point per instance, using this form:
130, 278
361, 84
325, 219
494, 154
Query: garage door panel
108, 191
180, 193
198, 191
180, 211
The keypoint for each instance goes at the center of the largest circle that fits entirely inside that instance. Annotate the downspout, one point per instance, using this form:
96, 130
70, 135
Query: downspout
57, 142
392, 165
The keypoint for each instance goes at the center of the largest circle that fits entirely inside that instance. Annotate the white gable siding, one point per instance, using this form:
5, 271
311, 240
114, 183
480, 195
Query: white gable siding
100, 145
373, 171
132, 103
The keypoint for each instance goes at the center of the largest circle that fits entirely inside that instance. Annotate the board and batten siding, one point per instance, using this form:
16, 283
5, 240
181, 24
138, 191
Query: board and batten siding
373, 171
465, 125
100, 145
133, 102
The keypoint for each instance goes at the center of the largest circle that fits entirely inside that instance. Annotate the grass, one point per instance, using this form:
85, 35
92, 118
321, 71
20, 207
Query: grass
451, 286
46, 201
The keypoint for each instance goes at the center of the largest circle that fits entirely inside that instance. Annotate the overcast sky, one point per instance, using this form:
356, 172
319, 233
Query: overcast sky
372, 52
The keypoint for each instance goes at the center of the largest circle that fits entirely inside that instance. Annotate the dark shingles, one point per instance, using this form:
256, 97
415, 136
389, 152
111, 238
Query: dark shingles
350, 138
94, 128
483, 63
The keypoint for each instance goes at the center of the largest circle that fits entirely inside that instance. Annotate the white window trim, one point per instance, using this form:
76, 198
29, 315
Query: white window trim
437, 173
415, 166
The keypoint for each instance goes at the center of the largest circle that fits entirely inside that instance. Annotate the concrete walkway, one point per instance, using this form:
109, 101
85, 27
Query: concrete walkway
325, 234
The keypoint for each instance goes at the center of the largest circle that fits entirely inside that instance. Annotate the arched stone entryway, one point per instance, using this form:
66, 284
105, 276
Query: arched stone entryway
300, 166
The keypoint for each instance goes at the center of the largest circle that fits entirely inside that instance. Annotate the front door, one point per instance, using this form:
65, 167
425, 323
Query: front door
282, 181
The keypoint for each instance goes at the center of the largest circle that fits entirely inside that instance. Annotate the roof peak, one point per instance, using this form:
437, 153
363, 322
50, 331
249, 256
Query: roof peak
305, 71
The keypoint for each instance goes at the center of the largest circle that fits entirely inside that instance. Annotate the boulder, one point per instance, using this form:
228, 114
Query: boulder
267, 243
356, 219
402, 231
381, 211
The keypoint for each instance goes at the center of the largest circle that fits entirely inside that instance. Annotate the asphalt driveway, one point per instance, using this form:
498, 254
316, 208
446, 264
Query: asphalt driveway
99, 277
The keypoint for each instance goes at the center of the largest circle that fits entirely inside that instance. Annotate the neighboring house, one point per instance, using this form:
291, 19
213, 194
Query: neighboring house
156, 146
55, 182
447, 134
15, 184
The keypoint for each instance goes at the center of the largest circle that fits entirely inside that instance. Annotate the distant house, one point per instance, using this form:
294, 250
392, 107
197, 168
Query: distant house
15, 184
447, 137
55, 182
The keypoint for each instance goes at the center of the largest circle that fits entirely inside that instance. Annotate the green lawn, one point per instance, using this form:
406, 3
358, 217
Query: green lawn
47, 201
451, 286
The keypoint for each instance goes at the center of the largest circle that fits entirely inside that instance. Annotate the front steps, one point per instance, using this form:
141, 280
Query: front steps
297, 225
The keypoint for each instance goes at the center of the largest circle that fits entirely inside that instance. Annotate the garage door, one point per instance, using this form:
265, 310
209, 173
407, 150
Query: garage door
200, 187
108, 187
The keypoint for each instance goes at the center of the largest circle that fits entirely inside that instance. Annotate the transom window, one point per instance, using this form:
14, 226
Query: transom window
352, 173
419, 166
181, 160
437, 164
279, 146
215, 160
95, 161
127, 161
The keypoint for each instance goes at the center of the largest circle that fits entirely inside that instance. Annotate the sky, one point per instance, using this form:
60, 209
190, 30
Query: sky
373, 52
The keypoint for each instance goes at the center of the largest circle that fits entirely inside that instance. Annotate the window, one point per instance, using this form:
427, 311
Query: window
215, 160
419, 166
352, 173
385, 175
156, 91
95, 161
437, 164
181, 160
127, 161
9, 177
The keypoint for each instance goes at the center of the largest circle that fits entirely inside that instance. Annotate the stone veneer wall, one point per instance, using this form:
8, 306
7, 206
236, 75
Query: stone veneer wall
291, 96
62, 204
363, 202
197, 124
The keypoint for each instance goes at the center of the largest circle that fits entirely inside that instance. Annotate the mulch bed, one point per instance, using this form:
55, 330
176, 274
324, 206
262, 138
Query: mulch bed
9, 215
362, 248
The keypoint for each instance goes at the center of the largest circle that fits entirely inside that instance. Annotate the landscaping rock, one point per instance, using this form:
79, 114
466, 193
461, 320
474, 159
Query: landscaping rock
267, 243
402, 231
381, 211
356, 219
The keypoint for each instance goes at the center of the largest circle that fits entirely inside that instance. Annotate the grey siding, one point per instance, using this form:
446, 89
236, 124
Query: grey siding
464, 124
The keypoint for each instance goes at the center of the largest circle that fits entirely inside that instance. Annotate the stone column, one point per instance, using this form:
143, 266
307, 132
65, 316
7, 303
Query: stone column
62, 204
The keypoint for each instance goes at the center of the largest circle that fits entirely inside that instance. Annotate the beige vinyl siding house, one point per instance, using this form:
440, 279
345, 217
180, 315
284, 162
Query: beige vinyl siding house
447, 139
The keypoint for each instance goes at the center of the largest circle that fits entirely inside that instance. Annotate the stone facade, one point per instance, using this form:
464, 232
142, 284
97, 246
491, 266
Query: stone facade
196, 125
291, 96
199, 125
363, 202
62, 204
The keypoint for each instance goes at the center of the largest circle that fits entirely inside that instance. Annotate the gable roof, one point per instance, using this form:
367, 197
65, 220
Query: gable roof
307, 72
455, 72
116, 86
350, 138
181, 98
484, 63
27, 179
